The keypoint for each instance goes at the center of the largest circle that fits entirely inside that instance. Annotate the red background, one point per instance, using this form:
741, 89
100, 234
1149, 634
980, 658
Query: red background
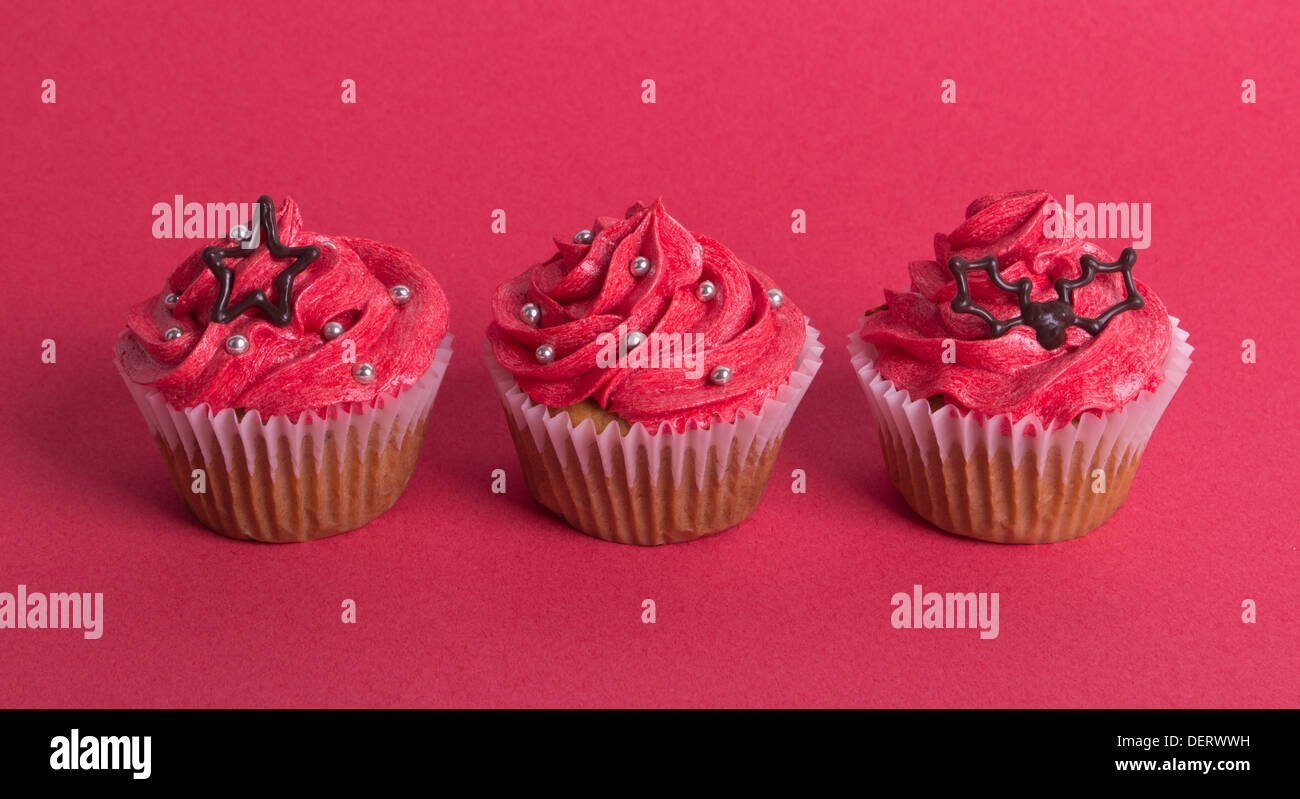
470, 598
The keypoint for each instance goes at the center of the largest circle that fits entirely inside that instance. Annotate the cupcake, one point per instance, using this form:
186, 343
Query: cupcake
1016, 382
287, 376
648, 376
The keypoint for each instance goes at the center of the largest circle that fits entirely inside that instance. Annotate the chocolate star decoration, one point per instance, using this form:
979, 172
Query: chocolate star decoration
1049, 320
281, 313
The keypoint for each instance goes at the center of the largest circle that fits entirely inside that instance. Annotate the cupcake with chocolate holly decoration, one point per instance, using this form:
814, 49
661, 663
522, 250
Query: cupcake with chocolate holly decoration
1016, 382
287, 377
648, 376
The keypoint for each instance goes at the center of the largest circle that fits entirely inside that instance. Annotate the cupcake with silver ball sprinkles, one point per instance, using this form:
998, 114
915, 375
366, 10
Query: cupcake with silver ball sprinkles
287, 376
648, 376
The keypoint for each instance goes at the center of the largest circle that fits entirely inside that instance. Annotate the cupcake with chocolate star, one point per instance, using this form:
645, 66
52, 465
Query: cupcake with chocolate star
1016, 381
287, 376
648, 376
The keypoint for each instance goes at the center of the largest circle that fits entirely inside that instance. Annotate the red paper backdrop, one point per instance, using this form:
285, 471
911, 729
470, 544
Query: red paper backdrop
470, 598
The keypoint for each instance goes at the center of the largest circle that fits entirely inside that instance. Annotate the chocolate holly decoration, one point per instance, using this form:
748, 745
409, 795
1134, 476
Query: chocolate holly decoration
1052, 319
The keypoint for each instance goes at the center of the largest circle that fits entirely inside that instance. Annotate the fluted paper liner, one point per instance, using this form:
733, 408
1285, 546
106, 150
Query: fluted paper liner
644, 487
280, 480
1019, 482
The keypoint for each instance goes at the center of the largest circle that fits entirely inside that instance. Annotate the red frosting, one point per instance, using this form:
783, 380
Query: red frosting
585, 290
1014, 374
289, 369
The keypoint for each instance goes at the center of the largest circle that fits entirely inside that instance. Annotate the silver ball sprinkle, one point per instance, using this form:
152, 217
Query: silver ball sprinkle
400, 294
775, 297
545, 354
171, 299
331, 331
634, 339
583, 237
172, 333
239, 233
236, 345
720, 375
640, 266
706, 291
531, 314
329, 244
363, 373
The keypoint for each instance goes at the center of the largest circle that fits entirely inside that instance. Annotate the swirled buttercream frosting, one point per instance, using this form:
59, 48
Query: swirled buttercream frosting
927, 349
646, 282
345, 313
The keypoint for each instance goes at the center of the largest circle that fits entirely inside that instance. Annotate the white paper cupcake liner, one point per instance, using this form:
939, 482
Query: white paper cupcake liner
924, 431
747, 433
207, 434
